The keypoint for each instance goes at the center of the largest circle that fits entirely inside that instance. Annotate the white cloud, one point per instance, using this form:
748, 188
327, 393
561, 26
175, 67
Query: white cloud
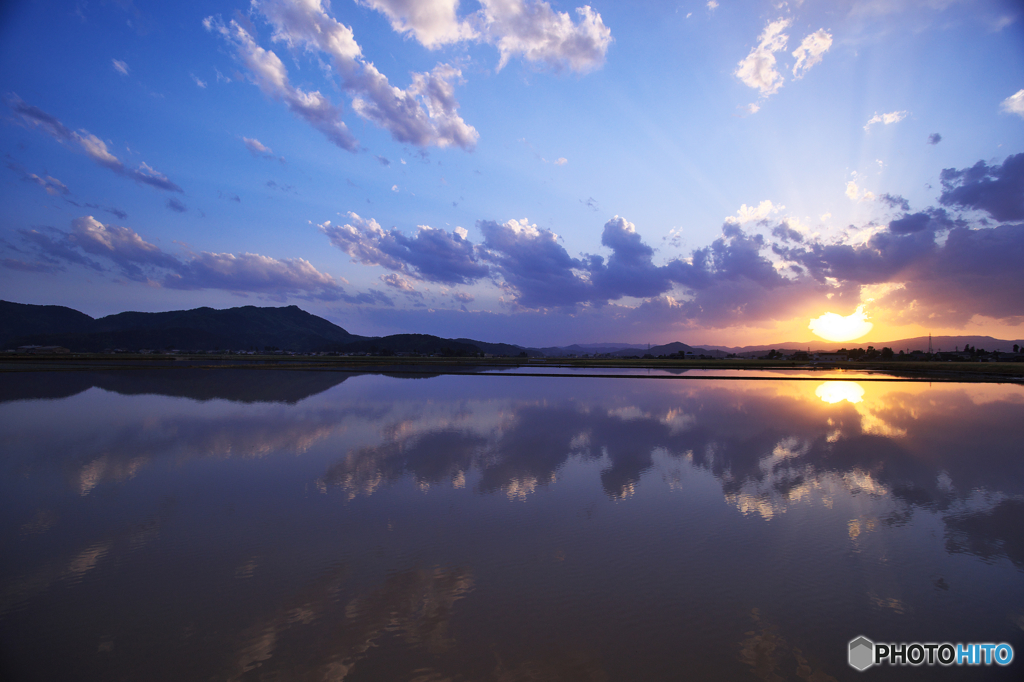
201, 83
432, 22
855, 193
757, 70
561, 161
712, 5
120, 67
1014, 104
748, 214
424, 115
394, 188
398, 282
539, 34
811, 51
256, 147
886, 119
270, 74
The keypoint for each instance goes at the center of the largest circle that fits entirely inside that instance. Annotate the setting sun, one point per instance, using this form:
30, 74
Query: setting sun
833, 327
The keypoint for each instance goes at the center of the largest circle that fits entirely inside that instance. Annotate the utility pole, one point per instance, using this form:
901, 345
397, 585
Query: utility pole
929, 344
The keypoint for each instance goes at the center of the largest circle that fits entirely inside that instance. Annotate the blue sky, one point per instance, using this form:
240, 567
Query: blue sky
533, 172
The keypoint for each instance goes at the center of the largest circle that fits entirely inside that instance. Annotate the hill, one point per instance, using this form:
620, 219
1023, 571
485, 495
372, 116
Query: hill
243, 328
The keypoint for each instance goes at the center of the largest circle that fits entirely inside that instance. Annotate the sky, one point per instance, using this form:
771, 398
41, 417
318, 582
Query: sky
540, 173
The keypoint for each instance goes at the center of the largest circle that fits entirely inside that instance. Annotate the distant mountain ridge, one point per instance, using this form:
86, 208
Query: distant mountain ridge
291, 328
242, 328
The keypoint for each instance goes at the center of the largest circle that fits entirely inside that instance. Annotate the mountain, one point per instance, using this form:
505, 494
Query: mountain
945, 343
243, 328
18, 319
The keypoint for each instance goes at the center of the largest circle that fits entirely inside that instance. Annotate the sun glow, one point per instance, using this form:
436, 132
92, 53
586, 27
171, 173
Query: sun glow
833, 327
833, 392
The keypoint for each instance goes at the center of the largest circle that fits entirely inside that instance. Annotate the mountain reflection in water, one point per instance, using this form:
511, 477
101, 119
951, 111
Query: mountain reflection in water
256, 524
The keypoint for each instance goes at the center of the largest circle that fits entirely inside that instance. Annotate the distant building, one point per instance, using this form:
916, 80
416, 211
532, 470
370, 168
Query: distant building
831, 357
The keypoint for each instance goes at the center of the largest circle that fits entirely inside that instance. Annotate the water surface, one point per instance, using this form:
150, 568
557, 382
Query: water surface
280, 525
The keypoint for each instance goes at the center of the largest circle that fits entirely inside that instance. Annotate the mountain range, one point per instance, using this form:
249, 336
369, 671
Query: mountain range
291, 328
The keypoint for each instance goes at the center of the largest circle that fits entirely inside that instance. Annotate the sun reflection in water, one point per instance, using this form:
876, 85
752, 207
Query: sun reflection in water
837, 391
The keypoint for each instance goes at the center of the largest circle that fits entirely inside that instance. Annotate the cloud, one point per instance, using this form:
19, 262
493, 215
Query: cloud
998, 190
250, 272
382, 160
886, 119
712, 5
121, 245
757, 70
811, 52
1014, 104
198, 81
142, 261
396, 281
269, 73
94, 147
538, 34
748, 214
176, 206
120, 67
424, 115
432, 254
561, 161
935, 138
431, 22
258, 148
855, 193
50, 184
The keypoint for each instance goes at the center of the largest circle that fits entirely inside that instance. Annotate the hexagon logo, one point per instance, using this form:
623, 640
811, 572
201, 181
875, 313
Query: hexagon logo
862, 653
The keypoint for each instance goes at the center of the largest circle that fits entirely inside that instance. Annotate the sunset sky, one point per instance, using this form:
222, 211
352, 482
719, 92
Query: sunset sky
531, 172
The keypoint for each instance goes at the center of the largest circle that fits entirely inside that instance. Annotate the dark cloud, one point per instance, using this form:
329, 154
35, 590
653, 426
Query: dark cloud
533, 262
934, 138
629, 270
895, 201
784, 232
383, 161
999, 190
176, 206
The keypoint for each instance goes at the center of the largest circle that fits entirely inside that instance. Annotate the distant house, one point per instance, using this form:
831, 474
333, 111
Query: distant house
830, 357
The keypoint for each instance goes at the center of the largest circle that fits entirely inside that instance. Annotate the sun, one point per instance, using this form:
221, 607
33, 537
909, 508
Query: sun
833, 327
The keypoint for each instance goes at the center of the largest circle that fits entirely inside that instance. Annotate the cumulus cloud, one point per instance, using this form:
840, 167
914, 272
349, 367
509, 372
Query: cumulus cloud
433, 254
811, 52
396, 281
855, 193
998, 190
886, 119
432, 22
757, 70
935, 138
92, 146
1014, 104
535, 32
141, 261
120, 67
748, 214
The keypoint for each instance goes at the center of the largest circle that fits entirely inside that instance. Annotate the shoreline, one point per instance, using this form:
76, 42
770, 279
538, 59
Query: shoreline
1008, 372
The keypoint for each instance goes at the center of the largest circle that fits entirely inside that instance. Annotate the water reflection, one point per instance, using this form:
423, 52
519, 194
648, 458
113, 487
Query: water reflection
380, 528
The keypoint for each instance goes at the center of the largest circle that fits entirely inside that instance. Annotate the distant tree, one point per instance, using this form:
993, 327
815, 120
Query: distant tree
1016, 348
887, 353
523, 354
